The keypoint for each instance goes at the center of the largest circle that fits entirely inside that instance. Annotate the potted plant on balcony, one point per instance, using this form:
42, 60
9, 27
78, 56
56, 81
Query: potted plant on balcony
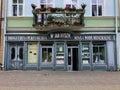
67, 9
83, 6
42, 9
76, 23
49, 9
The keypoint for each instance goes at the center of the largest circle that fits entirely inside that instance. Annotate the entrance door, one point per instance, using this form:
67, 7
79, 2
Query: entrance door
72, 58
16, 56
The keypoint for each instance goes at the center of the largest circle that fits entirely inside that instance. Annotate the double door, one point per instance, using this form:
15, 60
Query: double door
16, 56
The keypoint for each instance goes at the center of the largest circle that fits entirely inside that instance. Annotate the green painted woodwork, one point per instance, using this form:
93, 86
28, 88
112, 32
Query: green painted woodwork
99, 22
14, 22
19, 22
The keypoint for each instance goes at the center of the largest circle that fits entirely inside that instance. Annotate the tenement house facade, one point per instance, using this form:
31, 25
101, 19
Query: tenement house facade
60, 35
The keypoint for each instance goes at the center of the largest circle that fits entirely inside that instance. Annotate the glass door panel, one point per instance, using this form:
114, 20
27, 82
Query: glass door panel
85, 53
60, 53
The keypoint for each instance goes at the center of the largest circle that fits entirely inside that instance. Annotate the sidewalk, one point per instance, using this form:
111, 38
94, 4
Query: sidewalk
59, 80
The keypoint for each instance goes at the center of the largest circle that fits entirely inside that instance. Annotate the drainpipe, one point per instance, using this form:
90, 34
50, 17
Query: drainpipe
0, 17
117, 34
5, 17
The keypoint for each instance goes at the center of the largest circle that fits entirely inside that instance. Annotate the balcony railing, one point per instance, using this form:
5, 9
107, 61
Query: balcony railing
52, 18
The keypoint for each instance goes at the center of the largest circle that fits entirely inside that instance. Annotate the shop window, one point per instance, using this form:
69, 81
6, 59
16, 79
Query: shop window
17, 7
32, 53
60, 53
85, 53
99, 54
46, 55
97, 7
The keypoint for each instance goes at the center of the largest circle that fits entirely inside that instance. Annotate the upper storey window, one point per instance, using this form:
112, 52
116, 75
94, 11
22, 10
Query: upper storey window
71, 3
47, 3
17, 7
97, 7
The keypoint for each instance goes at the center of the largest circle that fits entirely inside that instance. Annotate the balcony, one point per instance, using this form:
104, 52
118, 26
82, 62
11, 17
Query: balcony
58, 18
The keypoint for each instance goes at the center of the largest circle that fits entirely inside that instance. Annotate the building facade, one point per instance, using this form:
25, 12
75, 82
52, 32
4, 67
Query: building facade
30, 45
1, 30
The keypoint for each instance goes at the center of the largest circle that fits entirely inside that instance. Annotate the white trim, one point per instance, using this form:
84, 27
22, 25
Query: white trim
103, 5
10, 8
24, 7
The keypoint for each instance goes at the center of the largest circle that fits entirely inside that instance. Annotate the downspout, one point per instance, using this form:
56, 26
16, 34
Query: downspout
117, 34
5, 22
0, 17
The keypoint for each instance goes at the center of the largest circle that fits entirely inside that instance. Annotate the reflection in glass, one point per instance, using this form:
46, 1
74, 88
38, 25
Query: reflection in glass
13, 53
14, 10
20, 1
85, 53
46, 55
60, 53
21, 53
98, 54
14, 1
20, 10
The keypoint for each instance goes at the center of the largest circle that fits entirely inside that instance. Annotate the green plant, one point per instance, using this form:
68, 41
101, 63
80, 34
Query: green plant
50, 18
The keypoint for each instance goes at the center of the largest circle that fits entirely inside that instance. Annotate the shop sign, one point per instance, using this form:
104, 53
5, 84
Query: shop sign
95, 37
25, 38
60, 35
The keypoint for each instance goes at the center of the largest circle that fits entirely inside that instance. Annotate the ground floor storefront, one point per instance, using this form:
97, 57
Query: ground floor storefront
60, 51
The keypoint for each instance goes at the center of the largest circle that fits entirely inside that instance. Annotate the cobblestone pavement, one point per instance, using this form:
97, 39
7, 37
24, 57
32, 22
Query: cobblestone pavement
59, 80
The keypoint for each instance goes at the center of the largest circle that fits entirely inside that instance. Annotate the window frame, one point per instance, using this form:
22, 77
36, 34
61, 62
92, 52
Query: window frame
98, 46
46, 3
103, 9
18, 8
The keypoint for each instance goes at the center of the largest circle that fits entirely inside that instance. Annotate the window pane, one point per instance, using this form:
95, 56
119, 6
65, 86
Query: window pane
49, 54
94, 10
50, 1
100, 2
14, 1
21, 53
85, 53
32, 53
74, 2
94, 2
42, 1
60, 53
100, 10
14, 10
13, 53
102, 55
44, 55
20, 1
95, 55
68, 1
20, 10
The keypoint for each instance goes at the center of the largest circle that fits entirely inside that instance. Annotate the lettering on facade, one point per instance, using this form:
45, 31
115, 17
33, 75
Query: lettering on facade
25, 38
60, 35
65, 35
95, 37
